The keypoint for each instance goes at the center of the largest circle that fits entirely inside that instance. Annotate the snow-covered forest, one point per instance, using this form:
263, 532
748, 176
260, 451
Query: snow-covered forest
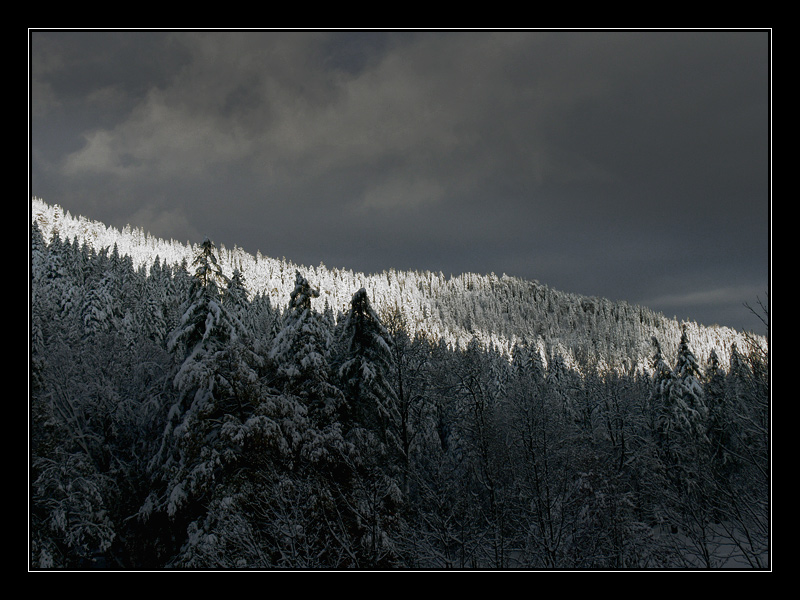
193, 406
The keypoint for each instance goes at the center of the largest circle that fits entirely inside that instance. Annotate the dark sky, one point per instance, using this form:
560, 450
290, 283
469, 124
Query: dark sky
633, 165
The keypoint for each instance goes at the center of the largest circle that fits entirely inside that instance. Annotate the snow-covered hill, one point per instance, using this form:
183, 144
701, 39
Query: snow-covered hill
175, 423
497, 310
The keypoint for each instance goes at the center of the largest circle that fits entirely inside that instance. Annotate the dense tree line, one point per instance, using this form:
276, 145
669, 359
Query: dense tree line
499, 311
177, 420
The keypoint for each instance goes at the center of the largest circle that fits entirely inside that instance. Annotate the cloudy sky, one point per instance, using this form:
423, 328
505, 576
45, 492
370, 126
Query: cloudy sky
631, 165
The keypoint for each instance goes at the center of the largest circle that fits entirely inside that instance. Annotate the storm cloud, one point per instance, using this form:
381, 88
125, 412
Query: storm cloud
632, 165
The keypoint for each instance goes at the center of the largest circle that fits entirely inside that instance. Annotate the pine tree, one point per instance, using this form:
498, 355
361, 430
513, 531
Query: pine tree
687, 392
660, 413
445, 457
365, 369
236, 301
97, 312
205, 326
301, 352
371, 425
209, 385
153, 312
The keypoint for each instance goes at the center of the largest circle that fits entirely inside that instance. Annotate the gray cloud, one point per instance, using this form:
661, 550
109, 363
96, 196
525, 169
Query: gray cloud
632, 165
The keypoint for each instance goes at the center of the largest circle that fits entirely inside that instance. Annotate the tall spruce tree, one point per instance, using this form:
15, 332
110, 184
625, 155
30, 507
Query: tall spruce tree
192, 452
659, 415
365, 369
300, 355
687, 393
373, 493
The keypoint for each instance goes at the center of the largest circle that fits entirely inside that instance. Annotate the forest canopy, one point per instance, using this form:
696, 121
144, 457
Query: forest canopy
195, 407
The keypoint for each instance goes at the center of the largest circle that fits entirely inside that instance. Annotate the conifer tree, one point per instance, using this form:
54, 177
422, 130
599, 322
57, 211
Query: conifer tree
235, 300
97, 311
365, 369
691, 490
687, 392
660, 409
371, 421
192, 451
154, 312
301, 352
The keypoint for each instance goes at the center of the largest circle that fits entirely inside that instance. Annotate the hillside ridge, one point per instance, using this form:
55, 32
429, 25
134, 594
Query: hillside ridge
498, 311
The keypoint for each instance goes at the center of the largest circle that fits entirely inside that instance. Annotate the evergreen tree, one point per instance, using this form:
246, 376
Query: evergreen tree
301, 352
204, 326
285, 448
660, 411
236, 301
154, 312
211, 386
687, 392
97, 311
365, 370
370, 425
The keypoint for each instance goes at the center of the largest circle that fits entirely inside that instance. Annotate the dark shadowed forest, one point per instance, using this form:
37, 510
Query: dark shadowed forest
193, 407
